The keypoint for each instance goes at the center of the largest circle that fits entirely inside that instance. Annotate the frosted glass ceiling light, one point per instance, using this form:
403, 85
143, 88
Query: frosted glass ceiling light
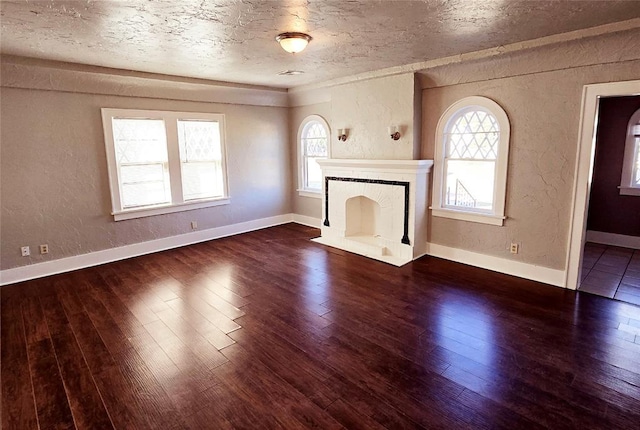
293, 42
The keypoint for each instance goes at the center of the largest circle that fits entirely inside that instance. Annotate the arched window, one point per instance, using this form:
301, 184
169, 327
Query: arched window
471, 155
313, 144
630, 179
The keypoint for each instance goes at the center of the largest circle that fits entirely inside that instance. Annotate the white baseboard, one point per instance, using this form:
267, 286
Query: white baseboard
497, 264
307, 220
38, 270
613, 239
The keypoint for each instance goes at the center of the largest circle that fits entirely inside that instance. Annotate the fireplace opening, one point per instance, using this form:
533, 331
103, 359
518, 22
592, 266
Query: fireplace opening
362, 217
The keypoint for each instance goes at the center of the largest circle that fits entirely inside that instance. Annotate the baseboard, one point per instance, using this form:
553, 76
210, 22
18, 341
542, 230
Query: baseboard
497, 264
38, 270
306, 220
613, 239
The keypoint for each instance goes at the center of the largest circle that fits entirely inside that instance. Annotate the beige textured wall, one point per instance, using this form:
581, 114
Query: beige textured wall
367, 108
54, 174
544, 112
302, 205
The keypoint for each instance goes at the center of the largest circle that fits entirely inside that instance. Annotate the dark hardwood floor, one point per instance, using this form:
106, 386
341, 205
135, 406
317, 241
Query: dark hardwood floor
269, 330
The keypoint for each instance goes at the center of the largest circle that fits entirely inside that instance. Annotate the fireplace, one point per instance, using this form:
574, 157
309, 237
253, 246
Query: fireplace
376, 208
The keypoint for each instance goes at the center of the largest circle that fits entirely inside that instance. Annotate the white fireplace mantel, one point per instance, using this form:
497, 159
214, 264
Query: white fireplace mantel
376, 208
382, 166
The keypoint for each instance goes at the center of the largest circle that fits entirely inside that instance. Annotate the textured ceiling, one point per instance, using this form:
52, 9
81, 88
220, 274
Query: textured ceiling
234, 40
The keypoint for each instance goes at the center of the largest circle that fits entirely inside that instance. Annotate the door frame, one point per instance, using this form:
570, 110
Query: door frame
591, 95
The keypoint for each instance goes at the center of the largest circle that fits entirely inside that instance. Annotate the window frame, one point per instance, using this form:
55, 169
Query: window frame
170, 119
630, 153
438, 208
303, 190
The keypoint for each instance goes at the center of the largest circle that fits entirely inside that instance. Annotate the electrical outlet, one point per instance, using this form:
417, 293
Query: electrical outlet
25, 251
194, 225
514, 248
44, 249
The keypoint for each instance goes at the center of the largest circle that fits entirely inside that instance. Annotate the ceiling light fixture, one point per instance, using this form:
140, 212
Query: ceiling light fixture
293, 42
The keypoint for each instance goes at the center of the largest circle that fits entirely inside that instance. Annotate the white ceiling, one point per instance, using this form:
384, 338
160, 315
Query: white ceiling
233, 40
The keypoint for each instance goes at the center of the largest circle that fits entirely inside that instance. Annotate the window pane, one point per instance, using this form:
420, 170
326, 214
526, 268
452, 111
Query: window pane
136, 173
201, 159
141, 155
473, 135
469, 184
314, 139
636, 177
314, 130
139, 140
315, 145
314, 174
201, 180
144, 194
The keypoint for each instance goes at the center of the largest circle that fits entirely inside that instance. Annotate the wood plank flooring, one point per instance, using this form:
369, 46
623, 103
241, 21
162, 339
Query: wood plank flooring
269, 330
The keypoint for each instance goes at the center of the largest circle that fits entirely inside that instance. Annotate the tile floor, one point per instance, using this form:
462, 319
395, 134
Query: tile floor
612, 272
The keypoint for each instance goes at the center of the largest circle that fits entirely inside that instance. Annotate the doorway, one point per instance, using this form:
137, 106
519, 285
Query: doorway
591, 98
611, 255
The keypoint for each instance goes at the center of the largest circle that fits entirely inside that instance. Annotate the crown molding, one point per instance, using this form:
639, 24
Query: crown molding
47, 75
36, 74
617, 27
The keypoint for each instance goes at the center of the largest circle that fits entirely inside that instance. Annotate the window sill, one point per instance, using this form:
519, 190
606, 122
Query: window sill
167, 209
629, 191
308, 193
468, 216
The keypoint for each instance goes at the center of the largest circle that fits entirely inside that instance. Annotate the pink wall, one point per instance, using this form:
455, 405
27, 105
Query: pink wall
608, 210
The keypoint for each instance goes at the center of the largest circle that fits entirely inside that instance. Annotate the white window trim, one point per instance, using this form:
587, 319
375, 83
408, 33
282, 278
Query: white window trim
468, 216
310, 193
630, 151
302, 190
170, 119
629, 191
438, 209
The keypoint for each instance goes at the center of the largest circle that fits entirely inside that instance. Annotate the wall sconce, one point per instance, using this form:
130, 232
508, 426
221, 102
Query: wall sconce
342, 134
394, 132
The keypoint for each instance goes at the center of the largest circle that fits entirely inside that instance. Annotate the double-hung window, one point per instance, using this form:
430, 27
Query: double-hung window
161, 162
470, 172
630, 178
313, 143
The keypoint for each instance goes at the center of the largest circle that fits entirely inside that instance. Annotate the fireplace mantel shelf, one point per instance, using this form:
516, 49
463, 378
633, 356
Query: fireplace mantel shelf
379, 165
